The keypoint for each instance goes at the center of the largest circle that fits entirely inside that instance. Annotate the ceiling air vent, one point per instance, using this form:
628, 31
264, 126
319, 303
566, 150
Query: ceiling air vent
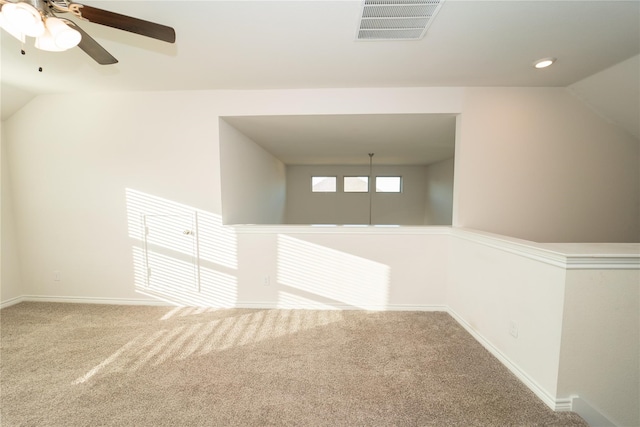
396, 19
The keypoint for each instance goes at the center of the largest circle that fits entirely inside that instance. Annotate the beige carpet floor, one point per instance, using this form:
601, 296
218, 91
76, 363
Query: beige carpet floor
101, 365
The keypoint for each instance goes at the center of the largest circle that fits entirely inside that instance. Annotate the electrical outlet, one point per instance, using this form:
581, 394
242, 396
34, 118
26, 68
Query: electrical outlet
56, 276
513, 329
267, 280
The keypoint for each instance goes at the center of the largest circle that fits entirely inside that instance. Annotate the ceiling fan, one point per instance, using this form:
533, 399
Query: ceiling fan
37, 18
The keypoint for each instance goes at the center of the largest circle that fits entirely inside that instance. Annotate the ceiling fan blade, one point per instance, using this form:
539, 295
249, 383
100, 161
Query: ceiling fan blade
123, 22
93, 48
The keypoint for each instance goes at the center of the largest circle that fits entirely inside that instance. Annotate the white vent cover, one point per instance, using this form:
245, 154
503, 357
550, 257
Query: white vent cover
396, 19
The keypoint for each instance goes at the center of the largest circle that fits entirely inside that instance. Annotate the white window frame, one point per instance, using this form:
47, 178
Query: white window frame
389, 192
335, 179
344, 190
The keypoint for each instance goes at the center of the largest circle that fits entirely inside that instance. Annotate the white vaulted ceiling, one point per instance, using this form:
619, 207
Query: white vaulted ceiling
312, 44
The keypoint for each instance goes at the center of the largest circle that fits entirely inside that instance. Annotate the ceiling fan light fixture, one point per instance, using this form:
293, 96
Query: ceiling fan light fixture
36, 18
47, 42
5, 25
64, 37
24, 18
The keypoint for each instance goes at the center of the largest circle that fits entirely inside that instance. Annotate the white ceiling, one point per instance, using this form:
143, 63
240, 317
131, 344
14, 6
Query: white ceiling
614, 93
311, 44
398, 139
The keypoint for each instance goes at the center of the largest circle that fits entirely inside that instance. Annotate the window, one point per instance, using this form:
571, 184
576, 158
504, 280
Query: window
388, 184
356, 184
323, 184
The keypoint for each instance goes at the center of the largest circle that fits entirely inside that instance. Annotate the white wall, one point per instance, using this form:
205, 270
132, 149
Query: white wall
489, 288
10, 280
79, 193
253, 181
406, 208
600, 354
69, 187
305, 207
539, 165
439, 199
70, 183
342, 268
564, 317
516, 168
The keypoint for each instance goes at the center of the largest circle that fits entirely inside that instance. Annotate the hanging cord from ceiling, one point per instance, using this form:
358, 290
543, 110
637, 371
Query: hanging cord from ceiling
370, 185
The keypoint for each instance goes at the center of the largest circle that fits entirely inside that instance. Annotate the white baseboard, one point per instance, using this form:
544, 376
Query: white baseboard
563, 404
310, 306
241, 304
87, 300
10, 302
557, 404
590, 414
408, 307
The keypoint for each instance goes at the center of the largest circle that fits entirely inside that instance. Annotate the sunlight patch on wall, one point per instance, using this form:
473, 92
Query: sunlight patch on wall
176, 281
216, 243
181, 255
139, 267
171, 233
332, 275
171, 274
217, 288
191, 339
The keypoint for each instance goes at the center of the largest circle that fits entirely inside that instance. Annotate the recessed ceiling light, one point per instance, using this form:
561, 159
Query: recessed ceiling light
544, 62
